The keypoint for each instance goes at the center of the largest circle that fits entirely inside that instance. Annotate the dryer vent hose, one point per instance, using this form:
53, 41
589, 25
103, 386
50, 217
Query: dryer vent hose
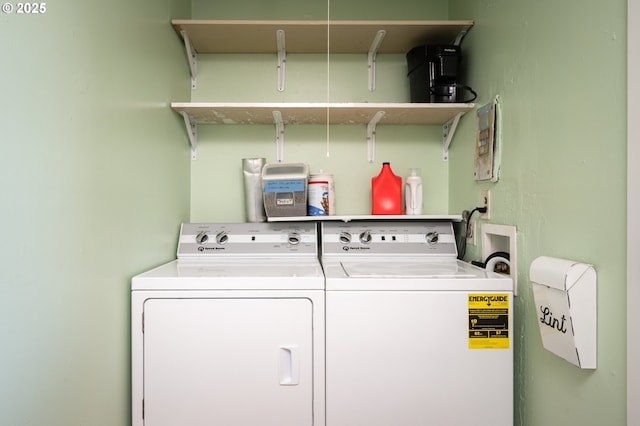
496, 262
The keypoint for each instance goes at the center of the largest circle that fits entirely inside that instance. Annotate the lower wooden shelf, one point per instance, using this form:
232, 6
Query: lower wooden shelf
301, 113
318, 113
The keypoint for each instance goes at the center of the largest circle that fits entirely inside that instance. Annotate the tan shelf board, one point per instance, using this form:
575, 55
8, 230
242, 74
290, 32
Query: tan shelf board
235, 36
316, 113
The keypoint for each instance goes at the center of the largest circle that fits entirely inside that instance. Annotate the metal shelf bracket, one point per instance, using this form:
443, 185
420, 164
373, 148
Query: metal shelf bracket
192, 133
448, 130
371, 135
192, 58
282, 59
277, 118
371, 58
461, 35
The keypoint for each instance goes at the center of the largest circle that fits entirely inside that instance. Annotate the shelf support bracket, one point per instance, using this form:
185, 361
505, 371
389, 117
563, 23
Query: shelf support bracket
448, 130
282, 59
460, 36
371, 135
192, 133
371, 58
192, 58
277, 118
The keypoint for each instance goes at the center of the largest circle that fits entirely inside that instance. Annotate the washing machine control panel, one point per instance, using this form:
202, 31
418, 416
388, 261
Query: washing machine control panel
368, 238
247, 239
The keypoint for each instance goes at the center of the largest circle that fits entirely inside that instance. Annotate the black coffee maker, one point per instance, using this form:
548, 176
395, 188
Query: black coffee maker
434, 73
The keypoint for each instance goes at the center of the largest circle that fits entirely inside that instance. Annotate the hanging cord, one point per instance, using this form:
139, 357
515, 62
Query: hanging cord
466, 219
475, 95
432, 91
328, 71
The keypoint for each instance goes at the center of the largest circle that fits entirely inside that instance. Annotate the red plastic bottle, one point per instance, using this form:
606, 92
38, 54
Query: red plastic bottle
386, 192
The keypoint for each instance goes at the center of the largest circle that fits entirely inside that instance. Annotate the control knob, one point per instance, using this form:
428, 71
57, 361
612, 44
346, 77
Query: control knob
294, 238
202, 237
432, 237
222, 237
345, 237
365, 237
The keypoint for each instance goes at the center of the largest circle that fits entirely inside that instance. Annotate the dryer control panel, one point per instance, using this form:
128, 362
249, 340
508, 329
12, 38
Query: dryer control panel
200, 240
388, 238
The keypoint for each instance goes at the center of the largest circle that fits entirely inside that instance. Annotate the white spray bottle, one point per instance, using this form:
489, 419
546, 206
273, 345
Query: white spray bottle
413, 193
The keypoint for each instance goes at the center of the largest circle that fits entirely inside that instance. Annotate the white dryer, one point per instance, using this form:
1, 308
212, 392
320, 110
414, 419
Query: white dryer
232, 332
413, 335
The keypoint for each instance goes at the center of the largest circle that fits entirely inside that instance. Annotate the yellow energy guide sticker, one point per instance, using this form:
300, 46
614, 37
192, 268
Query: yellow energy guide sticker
489, 321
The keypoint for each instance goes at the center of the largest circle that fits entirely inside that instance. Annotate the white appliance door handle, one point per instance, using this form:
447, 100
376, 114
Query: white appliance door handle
289, 365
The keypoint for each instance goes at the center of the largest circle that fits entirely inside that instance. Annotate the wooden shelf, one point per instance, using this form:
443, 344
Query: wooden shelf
287, 113
246, 36
316, 113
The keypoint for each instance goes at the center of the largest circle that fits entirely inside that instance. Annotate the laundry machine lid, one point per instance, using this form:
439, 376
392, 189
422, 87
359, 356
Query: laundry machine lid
406, 274
407, 269
233, 274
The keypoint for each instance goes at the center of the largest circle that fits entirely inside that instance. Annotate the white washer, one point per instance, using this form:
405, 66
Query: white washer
413, 335
232, 332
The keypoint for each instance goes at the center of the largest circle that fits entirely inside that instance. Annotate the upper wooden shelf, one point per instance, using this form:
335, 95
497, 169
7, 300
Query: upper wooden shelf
246, 36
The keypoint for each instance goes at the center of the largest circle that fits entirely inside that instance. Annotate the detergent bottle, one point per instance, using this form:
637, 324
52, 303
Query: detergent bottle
413, 193
386, 192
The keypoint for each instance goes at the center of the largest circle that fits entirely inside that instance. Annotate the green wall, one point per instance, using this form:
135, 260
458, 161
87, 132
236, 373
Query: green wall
559, 69
94, 180
317, 9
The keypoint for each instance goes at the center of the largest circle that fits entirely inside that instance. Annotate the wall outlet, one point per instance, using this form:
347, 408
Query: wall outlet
485, 201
